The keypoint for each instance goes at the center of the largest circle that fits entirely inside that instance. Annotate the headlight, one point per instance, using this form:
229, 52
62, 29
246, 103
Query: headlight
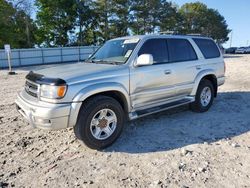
53, 92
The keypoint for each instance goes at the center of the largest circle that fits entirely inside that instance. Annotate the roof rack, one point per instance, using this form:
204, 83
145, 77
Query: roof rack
196, 34
176, 33
167, 32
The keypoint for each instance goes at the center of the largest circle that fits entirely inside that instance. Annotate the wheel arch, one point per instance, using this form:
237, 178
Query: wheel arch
117, 95
209, 75
114, 90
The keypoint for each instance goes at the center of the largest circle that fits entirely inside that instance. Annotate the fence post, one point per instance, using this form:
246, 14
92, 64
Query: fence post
61, 55
19, 58
42, 56
79, 53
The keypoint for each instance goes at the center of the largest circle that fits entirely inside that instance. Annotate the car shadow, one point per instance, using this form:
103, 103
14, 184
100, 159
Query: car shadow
179, 127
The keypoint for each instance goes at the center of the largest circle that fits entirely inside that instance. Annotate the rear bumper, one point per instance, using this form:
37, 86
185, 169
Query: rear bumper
49, 116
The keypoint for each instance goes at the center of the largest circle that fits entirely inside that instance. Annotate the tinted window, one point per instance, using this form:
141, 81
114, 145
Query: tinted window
157, 48
180, 50
208, 48
115, 51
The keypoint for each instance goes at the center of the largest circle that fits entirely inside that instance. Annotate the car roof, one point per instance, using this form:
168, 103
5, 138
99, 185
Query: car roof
150, 36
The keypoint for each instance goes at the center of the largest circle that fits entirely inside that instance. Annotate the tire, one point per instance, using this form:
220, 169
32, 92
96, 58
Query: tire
203, 102
96, 130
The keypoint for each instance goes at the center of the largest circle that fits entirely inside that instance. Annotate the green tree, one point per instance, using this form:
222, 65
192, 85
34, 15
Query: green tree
56, 21
112, 19
141, 23
218, 28
120, 20
13, 24
27, 8
25, 30
86, 22
152, 16
169, 17
103, 13
198, 18
6, 23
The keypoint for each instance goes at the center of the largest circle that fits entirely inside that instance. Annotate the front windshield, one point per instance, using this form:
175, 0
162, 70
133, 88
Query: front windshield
115, 51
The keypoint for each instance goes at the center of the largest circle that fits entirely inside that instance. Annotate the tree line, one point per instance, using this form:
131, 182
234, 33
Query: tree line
92, 22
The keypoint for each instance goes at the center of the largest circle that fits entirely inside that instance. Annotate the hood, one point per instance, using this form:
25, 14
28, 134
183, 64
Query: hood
79, 71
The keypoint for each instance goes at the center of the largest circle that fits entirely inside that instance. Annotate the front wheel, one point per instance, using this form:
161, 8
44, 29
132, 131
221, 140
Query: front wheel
204, 97
100, 122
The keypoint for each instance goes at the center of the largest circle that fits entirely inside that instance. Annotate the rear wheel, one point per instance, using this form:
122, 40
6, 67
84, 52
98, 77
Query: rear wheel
100, 122
204, 97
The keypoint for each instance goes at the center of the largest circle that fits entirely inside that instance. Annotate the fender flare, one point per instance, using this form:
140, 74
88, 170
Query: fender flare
199, 77
94, 89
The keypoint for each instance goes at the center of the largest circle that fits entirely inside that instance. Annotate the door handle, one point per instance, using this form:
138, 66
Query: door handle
198, 67
167, 72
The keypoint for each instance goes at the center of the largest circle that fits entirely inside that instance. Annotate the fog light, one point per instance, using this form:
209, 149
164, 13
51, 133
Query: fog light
41, 121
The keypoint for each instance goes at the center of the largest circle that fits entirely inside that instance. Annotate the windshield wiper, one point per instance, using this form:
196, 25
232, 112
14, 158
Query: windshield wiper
100, 61
90, 61
107, 62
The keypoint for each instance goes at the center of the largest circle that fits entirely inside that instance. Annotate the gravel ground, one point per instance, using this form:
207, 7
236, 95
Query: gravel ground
176, 148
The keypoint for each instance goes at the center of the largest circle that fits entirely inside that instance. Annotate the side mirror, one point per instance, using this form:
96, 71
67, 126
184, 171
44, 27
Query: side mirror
144, 59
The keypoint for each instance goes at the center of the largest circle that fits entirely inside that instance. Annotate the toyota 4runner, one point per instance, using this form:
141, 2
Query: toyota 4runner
127, 78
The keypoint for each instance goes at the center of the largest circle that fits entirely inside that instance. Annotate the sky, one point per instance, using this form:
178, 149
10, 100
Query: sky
237, 15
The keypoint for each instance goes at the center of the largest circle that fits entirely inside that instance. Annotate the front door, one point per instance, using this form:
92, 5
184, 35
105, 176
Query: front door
153, 84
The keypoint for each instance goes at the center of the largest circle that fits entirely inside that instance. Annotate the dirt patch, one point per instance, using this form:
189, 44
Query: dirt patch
176, 148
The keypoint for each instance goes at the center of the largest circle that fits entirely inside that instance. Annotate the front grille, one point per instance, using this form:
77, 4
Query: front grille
31, 88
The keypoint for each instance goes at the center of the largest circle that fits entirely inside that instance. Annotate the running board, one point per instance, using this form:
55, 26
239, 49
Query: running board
145, 112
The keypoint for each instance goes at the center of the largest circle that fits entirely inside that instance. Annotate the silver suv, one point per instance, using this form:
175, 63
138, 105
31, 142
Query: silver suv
127, 78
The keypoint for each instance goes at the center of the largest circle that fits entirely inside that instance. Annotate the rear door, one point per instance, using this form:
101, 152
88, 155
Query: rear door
184, 58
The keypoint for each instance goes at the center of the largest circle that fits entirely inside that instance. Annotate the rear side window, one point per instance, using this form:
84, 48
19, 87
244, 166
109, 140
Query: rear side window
157, 48
208, 48
180, 50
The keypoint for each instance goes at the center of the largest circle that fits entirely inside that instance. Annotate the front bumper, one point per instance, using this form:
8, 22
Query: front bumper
44, 115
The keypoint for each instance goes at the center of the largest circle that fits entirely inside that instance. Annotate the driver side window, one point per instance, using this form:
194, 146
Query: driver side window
157, 48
